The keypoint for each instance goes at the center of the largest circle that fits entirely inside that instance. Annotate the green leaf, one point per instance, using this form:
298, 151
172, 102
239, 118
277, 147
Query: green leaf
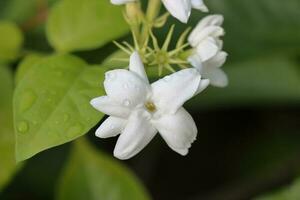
27, 63
7, 140
289, 193
19, 10
84, 24
51, 103
91, 175
11, 40
259, 27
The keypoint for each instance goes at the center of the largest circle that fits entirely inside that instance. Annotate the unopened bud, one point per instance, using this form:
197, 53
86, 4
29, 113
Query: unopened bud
134, 14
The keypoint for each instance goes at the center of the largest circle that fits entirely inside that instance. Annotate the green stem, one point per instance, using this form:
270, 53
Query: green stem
153, 10
152, 13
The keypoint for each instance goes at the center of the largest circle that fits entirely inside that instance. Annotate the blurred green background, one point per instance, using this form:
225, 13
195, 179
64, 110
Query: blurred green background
248, 145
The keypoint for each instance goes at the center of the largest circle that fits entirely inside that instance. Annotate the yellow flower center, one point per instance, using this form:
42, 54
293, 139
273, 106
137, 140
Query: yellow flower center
150, 106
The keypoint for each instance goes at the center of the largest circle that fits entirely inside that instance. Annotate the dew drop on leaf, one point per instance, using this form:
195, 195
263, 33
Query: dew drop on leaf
23, 127
28, 99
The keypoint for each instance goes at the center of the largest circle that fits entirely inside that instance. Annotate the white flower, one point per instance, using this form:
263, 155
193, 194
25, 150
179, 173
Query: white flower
138, 110
180, 9
208, 56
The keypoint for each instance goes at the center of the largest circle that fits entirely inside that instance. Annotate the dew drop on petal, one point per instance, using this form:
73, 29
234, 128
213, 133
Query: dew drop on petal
126, 102
23, 127
112, 126
110, 76
136, 87
167, 78
126, 86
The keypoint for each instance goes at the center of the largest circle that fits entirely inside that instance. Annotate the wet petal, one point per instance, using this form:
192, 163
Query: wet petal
173, 91
136, 135
108, 106
111, 127
125, 87
178, 130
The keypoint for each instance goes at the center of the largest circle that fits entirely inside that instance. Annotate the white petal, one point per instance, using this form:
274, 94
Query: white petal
211, 20
199, 4
111, 127
203, 85
196, 62
108, 106
136, 65
211, 31
173, 91
178, 130
180, 9
119, 2
136, 135
207, 49
125, 87
217, 61
216, 76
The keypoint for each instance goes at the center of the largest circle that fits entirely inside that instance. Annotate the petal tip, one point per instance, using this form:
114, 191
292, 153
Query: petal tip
183, 152
120, 155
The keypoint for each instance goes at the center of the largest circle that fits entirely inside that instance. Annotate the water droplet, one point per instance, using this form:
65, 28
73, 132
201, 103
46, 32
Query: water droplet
66, 117
126, 86
112, 126
167, 78
27, 100
110, 76
23, 127
126, 102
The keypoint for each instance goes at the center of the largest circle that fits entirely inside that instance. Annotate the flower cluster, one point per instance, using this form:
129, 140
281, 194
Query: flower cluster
139, 110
